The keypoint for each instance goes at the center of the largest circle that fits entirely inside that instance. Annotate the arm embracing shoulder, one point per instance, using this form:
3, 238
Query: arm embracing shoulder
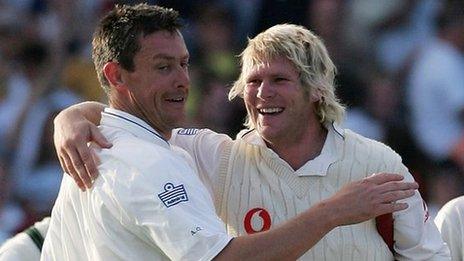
73, 128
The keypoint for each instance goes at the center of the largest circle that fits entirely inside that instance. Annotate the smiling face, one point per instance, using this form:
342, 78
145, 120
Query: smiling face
277, 105
159, 84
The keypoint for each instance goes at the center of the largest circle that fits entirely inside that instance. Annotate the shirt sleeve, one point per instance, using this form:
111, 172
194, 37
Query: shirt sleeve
450, 224
20, 247
168, 207
415, 234
205, 147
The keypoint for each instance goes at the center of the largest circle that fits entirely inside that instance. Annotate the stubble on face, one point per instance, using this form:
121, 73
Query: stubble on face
160, 83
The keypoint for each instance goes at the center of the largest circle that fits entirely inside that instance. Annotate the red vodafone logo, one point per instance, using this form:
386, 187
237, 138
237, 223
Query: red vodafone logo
261, 213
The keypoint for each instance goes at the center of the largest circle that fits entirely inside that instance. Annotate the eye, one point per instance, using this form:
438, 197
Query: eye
163, 67
280, 79
253, 82
185, 65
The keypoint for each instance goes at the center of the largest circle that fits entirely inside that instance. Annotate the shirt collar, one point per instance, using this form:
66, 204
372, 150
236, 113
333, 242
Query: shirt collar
136, 126
331, 151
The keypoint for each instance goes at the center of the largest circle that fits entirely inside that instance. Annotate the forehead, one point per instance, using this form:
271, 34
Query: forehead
162, 44
277, 65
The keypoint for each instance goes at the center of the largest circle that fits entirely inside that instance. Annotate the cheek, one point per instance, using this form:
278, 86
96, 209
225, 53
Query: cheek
249, 100
249, 95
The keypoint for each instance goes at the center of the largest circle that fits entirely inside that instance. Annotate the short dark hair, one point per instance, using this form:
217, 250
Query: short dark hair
116, 37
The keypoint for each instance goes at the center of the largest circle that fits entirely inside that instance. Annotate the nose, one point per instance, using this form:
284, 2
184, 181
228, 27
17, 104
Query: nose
265, 90
183, 78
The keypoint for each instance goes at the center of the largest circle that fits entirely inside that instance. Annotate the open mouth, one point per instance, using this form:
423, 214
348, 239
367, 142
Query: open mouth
180, 99
270, 111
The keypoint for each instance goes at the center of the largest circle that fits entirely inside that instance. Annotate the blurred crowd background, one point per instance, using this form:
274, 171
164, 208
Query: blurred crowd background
400, 73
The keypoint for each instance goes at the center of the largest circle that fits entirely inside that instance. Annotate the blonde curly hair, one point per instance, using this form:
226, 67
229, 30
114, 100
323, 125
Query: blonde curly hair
307, 53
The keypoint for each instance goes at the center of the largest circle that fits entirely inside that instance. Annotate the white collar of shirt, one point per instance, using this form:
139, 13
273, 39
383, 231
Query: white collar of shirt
137, 127
331, 151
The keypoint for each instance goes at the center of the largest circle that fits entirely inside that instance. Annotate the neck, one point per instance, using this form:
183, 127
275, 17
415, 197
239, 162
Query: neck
128, 107
306, 147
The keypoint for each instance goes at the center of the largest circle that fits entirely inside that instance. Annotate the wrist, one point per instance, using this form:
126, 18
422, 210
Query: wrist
328, 214
91, 111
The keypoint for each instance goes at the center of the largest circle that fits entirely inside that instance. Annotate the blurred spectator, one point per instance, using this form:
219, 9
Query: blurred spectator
272, 12
327, 18
18, 91
13, 97
245, 13
436, 87
215, 68
11, 214
362, 15
215, 51
215, 111
35, 171
79, 76
436, 100
410, 24
378, 111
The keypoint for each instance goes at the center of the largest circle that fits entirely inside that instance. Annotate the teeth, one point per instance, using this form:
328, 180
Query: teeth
176, 99
270, 110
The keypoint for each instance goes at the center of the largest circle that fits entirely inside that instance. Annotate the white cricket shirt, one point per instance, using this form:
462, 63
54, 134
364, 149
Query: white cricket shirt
450, 222
416, 236
147, 204
21, 247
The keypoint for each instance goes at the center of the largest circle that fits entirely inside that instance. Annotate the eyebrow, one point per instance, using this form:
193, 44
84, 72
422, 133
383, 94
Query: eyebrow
272, 75
162, 56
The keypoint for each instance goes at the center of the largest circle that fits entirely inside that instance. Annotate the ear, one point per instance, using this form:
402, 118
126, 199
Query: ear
112, 72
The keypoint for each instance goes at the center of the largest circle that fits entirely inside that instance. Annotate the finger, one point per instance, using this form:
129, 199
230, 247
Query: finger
90, 168
380, 178
397, 195
79, 183
63, 164
397, 185
391, 207
68, 165
93, 150
98, 137
72, 172
79, 167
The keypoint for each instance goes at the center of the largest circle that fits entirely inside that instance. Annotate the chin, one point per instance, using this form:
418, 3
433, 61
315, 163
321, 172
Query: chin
267, 133
177, 122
